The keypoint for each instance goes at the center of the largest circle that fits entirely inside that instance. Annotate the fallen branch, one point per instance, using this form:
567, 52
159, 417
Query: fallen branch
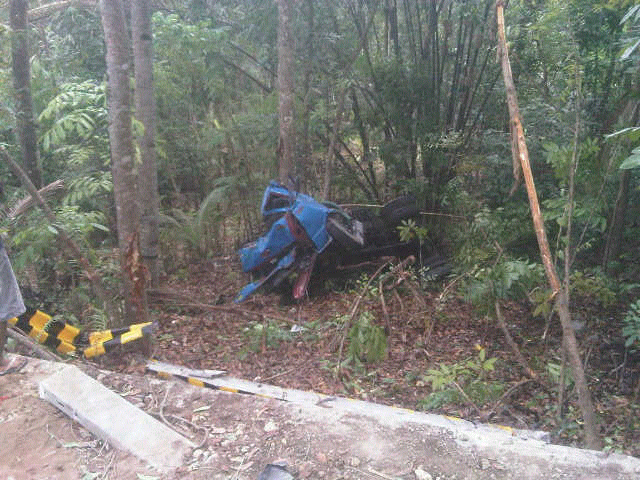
28, 202
31, 344
467, 398
184, 302
506, 395
512, 344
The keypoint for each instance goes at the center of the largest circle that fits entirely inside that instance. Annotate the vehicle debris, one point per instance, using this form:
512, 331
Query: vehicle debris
302, 231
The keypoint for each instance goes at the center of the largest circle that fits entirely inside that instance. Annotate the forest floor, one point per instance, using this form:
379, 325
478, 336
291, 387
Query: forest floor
431, 338
437, 349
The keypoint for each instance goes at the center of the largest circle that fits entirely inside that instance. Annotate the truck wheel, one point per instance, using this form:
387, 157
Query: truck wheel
399, 209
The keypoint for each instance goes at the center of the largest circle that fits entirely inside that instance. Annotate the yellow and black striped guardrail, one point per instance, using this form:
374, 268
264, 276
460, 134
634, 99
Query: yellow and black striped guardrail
67, 339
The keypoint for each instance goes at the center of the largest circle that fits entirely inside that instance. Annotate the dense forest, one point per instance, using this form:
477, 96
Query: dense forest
151, 129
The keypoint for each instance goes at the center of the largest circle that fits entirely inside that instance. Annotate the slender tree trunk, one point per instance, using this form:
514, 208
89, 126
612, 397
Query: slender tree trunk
305, 168
629, 115
22, 84
285, 91
592, 438
145, 113
328, 172
614, 239
123, 163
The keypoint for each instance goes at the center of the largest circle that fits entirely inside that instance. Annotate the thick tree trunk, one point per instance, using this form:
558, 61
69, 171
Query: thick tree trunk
22, 83
122, 152
285, 91
592, 438
145, 113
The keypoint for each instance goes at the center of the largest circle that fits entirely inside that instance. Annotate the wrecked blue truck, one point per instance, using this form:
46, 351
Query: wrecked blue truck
301, 231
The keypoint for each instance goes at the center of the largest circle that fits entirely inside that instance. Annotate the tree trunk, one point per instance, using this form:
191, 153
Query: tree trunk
285, 91
592, 438
304, 170
122, 152
630, 115
614, 239
145, 113
25, 123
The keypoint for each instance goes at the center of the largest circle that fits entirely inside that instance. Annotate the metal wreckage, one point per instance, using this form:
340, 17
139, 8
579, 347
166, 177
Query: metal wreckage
302, 232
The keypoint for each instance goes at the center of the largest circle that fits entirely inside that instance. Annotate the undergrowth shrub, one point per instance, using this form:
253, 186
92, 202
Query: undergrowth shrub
367, 341
450, 383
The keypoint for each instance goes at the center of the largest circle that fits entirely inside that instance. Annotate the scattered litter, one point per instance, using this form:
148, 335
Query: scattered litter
15, 365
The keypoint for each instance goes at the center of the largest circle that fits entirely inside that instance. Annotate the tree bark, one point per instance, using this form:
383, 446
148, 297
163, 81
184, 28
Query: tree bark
592, 438
123, 163
25, 122
145, 113
285, 91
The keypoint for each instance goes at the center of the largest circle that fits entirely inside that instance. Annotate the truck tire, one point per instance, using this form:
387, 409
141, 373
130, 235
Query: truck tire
401, 208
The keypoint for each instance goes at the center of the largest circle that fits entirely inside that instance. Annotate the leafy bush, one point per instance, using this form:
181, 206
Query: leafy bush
474, 368
593, 288
367, 341
468, 376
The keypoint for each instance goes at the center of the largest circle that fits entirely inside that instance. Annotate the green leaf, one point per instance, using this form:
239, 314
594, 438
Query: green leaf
633, 161
635, 10
629, 50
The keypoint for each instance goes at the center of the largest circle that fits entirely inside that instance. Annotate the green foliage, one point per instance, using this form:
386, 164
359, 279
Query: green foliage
554, 370
632, 161
367, 341
471, 369
211, 120
469, 375
631, 326
36, 254
592, 288
192, 236
37, 240
74, 114
506, 279
368, 289
75, 144
269, 334
408, 230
